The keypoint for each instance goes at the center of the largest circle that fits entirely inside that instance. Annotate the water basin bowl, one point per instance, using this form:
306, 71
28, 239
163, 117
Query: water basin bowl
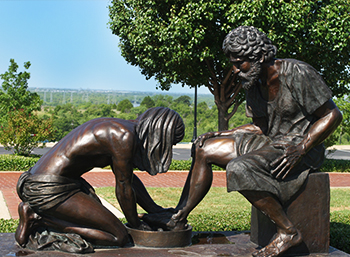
161, 239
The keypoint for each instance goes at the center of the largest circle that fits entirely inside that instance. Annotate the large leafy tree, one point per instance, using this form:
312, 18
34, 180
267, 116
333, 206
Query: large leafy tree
15, 94
343, 104
25, 131
179, 42
21, 129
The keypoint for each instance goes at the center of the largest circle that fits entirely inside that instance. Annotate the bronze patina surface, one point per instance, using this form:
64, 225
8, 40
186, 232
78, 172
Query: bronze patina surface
161, 239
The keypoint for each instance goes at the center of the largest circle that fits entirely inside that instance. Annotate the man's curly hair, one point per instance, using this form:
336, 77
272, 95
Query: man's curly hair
249, 42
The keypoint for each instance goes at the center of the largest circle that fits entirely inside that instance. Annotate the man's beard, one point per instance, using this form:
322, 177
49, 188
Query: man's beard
249, 78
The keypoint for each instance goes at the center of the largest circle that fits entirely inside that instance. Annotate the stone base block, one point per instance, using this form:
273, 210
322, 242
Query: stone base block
308, 211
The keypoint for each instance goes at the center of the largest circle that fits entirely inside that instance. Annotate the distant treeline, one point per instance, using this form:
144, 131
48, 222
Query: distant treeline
71, 108
54, 97
70, 115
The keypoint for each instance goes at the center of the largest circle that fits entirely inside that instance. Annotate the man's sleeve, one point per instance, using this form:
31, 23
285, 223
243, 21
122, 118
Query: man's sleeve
307, 86
255, 106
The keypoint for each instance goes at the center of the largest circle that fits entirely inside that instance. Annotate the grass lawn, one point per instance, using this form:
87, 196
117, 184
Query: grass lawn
222, 211
218, 200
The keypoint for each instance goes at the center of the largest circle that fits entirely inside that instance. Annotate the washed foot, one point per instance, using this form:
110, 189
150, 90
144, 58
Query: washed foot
279, 245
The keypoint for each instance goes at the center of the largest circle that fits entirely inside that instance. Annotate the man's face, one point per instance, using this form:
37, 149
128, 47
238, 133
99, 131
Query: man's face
248, 71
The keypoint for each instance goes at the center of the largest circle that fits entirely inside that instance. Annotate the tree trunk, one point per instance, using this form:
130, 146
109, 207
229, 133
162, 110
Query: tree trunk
225, 91
222, 117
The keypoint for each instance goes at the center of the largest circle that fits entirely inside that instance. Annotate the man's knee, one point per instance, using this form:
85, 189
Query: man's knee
198, 152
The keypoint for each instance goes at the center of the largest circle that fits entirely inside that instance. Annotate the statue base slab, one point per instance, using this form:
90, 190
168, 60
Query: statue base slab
203, 244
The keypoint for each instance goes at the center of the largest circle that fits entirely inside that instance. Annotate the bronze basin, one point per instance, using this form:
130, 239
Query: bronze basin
161, 239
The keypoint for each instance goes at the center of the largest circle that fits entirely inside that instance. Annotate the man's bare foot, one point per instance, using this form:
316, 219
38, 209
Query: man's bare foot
28, 220
279, 245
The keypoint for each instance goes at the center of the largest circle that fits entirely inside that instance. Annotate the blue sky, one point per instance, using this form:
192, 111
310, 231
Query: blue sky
69, 45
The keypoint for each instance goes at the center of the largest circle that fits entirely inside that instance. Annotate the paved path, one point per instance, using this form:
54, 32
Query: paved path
103, 178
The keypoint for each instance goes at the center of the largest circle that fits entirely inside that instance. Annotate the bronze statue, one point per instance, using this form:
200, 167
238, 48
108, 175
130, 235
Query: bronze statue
55, 196
267, 161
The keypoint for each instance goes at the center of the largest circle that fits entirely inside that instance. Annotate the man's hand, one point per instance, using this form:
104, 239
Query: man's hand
291, 157
200, 140
165, 220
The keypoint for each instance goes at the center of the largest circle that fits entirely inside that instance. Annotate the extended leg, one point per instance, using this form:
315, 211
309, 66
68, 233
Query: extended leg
217, 151
287, 235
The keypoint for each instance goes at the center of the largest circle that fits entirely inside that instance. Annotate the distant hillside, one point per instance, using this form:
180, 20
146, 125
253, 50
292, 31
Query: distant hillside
55, 96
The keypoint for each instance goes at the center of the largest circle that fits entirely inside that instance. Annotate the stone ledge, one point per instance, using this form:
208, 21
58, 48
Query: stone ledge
213, 244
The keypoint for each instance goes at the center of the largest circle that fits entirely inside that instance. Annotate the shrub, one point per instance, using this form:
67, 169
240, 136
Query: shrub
8, 226
24, 131
332, 165
185, 165
329, 165
21, 163
9, 162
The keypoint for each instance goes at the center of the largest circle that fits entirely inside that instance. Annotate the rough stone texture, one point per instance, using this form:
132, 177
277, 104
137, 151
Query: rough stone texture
309, 212
204, 244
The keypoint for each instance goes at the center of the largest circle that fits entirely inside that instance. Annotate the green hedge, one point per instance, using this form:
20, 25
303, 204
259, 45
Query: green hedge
329, 165
9, 162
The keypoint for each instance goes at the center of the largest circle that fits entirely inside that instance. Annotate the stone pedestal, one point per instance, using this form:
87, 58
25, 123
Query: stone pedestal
208, 244
309, 212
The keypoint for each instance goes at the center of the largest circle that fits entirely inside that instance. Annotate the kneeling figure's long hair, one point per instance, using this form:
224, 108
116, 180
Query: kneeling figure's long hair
158, 129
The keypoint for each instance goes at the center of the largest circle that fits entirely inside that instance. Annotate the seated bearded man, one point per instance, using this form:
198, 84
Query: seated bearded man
267, 161
55, 196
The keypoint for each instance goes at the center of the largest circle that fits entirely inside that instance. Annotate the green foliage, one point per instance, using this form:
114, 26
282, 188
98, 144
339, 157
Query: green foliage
9, 162
224, 221
21, 130
136, 111
20, 163
340, 230
222, 211
186, 165
8, 226
180, 165
316, 32
66, 118
15, 94
124, 106
343, 104
329, 165
180, 41
148, 102
25, 131
101, 110
184, 99
332, 165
